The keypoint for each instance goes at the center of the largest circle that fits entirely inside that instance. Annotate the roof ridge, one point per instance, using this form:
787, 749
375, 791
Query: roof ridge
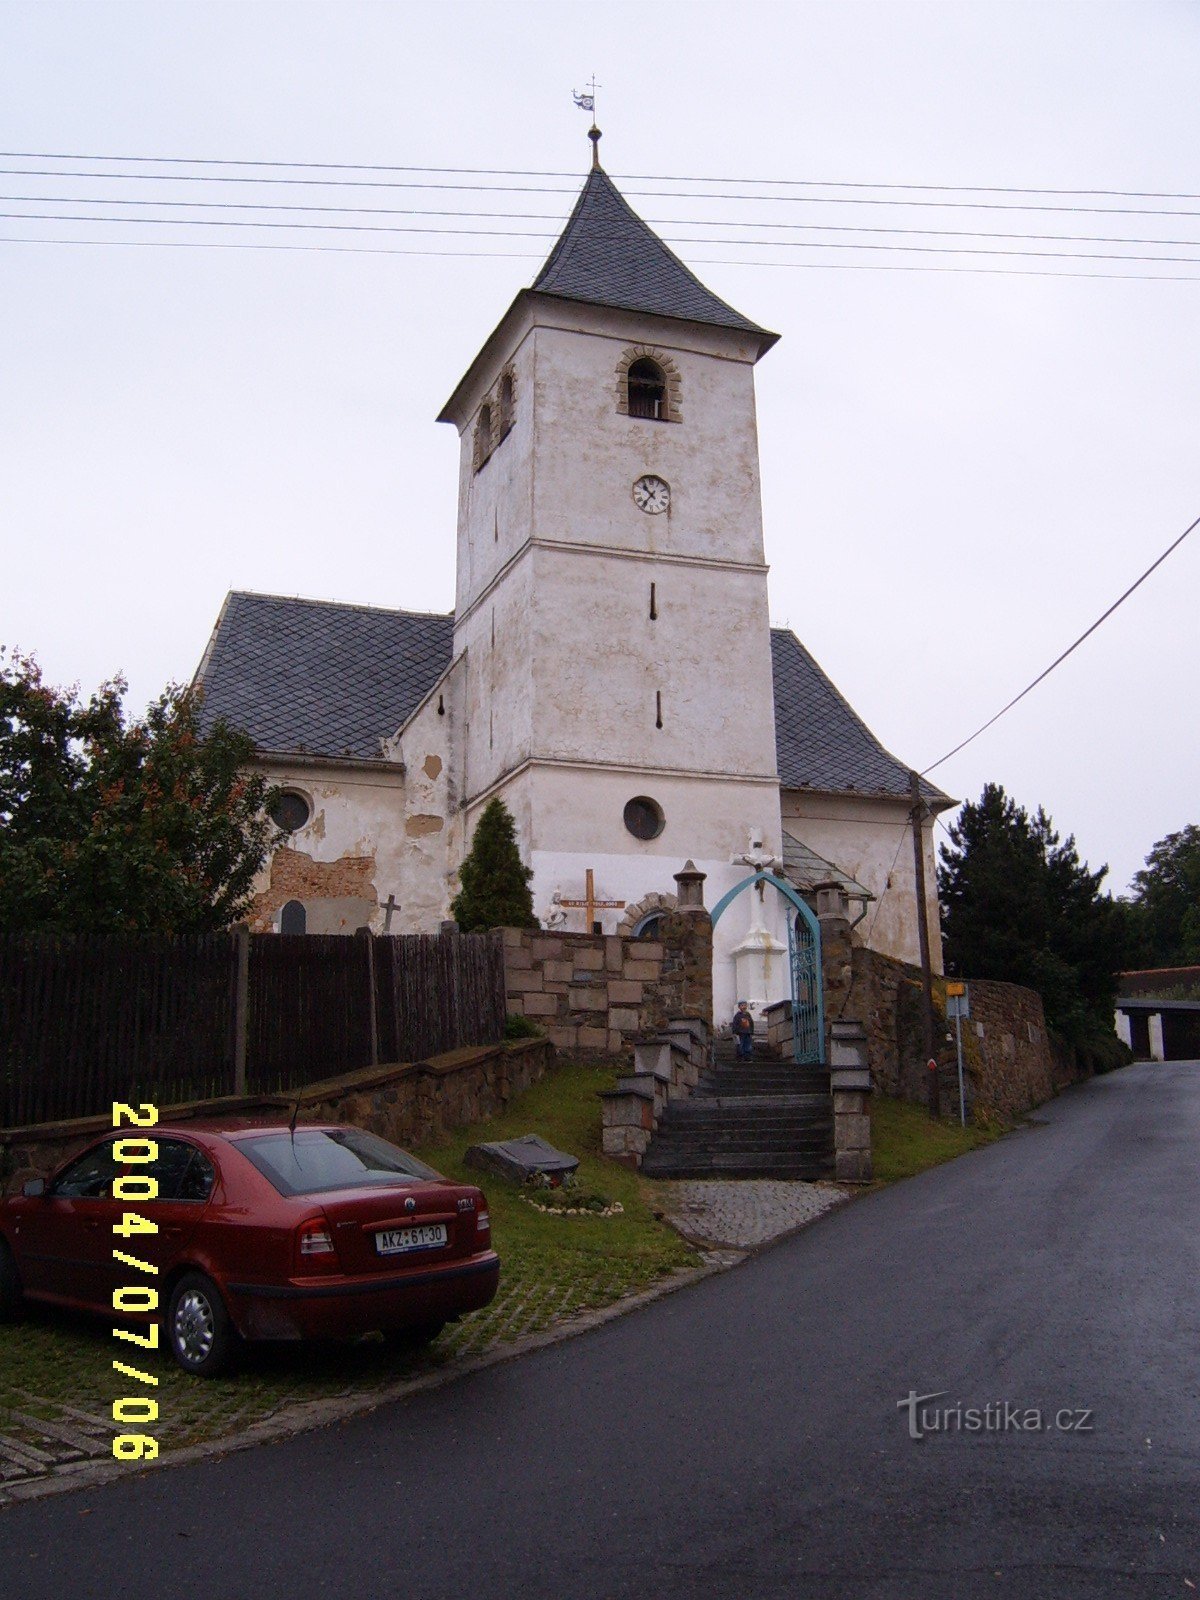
340, 605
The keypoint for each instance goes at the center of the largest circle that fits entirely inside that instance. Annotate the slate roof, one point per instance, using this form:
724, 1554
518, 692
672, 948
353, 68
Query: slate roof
313, 677
821, 741
608, 256
317, 678
806, 869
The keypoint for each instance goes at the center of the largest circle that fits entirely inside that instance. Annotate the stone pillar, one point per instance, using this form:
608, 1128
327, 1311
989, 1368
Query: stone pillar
850, 1082
690, 888
1124, 1031
686, 935
836, 952
1158, 1049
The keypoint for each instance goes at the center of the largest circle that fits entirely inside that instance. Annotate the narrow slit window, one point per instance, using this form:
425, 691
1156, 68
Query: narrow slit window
647, 390
653, 603
506, 403
483, 436
658, 708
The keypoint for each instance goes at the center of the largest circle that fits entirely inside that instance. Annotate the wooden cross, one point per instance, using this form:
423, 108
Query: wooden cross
388, 906
591, 904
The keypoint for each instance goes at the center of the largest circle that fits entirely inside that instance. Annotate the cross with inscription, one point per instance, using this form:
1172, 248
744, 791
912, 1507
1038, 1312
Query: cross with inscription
591, 905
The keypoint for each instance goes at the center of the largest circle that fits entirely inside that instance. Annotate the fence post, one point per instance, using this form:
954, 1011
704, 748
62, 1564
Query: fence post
369, 945
241, 1006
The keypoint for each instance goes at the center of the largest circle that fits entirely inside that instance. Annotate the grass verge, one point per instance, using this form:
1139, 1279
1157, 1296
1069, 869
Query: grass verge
906, 1140
553, 1267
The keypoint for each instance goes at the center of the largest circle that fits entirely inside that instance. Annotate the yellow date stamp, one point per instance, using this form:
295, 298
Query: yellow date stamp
138, 1299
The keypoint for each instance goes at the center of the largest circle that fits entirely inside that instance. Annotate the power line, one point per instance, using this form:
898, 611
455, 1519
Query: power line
530, 255
529, 233
637, 177
557, 217
508, 188
1042, 676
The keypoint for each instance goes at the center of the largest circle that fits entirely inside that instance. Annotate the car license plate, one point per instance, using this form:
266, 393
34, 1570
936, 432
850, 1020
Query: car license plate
424, 1236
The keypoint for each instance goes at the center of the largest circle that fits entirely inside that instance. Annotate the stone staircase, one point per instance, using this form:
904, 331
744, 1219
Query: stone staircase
766, 1118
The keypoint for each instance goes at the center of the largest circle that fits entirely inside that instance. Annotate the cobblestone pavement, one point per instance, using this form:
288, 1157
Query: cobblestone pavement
726, 1217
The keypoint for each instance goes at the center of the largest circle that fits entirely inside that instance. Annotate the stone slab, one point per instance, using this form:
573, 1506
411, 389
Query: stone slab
520, 1159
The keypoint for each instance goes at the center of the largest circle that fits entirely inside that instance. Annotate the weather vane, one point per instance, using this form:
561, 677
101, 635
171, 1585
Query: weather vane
587, 102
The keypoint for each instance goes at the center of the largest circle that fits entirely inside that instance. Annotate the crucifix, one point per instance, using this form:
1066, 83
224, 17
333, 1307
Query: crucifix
388, 906
591, 905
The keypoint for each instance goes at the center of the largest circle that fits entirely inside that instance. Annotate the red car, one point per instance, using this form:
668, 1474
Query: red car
259, 1233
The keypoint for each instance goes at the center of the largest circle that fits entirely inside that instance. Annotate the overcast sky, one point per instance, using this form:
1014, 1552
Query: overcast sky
961, 470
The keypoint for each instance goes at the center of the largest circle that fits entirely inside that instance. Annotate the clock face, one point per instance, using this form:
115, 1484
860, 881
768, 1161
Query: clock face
652, 495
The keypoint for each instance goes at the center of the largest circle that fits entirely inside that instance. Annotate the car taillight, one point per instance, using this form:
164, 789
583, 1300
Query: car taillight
483, 1228
315, 1251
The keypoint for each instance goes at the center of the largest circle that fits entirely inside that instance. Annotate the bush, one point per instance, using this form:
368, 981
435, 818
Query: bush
519, 1027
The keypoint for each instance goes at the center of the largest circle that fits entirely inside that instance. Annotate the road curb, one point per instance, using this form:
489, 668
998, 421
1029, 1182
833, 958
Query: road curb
305, 1416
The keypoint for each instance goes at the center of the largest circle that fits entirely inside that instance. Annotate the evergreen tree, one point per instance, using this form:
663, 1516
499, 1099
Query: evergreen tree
495, 881
1166, 901
113, 826
1018, 905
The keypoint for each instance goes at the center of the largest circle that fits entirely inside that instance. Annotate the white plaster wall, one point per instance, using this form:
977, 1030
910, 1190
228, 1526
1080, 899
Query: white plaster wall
495, 504
587, 455
406, 818
499, 643
601, 662
861, 836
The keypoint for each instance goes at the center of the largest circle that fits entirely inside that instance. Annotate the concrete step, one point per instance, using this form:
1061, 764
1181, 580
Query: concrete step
744, 1084
805, 1168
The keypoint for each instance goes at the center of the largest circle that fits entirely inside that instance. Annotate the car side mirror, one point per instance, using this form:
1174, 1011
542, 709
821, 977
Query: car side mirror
33, 1188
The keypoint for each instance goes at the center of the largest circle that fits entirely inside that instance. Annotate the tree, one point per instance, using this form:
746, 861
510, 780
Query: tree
1166, 901
495, 881
106, 825
1019, 905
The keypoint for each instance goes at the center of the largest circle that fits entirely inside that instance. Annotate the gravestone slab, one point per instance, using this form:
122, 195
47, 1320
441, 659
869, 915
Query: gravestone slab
518, 1160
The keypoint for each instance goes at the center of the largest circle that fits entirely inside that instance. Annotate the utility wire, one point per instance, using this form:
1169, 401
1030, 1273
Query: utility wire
530, 233
557, 217
1042, 676
530, 255
637, 177
509, 188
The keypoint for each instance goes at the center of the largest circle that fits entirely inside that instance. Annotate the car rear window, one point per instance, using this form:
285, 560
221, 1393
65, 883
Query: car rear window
313, 1160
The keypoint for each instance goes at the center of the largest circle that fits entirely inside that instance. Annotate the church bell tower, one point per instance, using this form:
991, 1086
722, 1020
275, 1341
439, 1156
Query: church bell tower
611, 607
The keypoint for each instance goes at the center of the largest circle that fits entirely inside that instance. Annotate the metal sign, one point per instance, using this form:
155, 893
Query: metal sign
958, 1000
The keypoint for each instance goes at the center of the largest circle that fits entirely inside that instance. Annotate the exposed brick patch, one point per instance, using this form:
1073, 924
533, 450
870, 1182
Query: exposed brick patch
296, 876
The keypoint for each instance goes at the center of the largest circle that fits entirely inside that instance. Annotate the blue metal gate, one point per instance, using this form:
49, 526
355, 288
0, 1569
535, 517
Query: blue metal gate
804, 958
804, 964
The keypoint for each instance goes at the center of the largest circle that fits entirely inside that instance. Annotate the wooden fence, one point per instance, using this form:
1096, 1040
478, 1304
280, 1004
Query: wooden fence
87, 1021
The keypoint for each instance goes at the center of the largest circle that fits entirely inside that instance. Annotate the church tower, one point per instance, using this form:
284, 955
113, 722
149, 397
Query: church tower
611, 608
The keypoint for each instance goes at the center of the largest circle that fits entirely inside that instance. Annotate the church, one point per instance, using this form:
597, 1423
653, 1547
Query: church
609, 669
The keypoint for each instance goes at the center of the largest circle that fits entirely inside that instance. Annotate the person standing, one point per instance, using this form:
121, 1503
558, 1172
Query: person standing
743, 1032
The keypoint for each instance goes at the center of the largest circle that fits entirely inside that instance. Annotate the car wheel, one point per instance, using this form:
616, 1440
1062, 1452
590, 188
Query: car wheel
200, 1336
414, 1338
11, 1293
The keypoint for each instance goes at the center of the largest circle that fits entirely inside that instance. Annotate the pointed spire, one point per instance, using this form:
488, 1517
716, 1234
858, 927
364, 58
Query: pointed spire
608, 256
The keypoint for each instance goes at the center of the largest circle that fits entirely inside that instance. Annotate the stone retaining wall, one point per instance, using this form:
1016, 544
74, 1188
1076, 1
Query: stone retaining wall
594, 993
408, 1103
1009, 1062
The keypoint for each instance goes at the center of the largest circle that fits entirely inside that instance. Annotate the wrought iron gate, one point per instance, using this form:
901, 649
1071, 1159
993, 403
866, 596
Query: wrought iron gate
804, 960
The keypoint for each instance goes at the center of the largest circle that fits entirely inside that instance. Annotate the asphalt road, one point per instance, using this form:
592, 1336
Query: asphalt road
742, 1439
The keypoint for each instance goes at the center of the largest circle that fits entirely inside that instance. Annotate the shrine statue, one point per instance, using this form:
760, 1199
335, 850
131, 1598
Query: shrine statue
556, 912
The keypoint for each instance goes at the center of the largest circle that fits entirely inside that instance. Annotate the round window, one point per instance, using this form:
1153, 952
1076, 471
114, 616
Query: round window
644, 817
290, 811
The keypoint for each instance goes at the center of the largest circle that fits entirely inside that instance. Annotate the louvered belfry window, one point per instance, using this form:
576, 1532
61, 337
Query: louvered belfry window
647, 390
